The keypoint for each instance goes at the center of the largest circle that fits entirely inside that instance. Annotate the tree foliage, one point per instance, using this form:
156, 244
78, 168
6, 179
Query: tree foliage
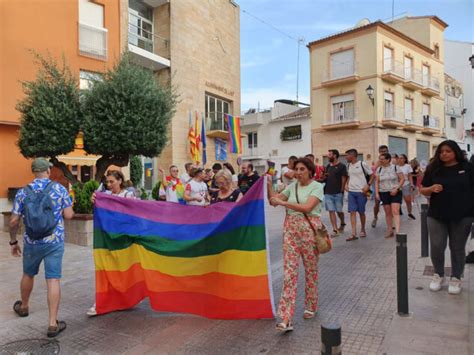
50, 113
126, 114
136, 170
83, 195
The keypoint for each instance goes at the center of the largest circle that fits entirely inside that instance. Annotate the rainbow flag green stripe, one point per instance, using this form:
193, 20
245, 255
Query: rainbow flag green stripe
235, 140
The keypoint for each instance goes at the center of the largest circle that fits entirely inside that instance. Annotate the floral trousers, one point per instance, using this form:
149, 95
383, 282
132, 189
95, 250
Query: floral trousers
298, 240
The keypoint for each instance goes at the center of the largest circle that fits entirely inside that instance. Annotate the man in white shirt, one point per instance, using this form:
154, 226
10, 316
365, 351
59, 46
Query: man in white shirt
287, 172
358, 185
185, 178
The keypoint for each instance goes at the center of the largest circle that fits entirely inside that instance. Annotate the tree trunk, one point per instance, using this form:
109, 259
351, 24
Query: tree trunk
105, 161
63, 167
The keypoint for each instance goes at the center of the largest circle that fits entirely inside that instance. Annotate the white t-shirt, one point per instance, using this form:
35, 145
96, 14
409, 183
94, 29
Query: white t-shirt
185, 178
196, 189
406, 169
284, 179
123, 193
356, 174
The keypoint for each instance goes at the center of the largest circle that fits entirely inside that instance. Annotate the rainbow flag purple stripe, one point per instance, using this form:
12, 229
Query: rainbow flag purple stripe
235, 140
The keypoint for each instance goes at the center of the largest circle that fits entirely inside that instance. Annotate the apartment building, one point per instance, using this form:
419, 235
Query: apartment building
85, 33
458, 64
379, 83
196, 46
454, 111
275, 134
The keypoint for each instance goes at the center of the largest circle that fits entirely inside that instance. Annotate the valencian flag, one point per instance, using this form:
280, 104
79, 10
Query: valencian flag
191, 138
211, 261
235, 140
197, 132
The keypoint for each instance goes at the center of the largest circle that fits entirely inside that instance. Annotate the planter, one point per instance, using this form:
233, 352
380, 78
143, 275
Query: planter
80, 229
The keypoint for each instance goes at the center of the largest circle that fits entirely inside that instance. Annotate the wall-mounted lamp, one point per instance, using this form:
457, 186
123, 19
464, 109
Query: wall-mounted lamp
370, 93
471, 59
464, 110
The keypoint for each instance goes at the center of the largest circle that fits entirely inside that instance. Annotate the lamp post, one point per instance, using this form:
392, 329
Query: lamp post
370, 93
471, 59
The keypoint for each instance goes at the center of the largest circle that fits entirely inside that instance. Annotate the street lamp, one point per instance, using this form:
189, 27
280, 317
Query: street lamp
471, 59
370, 93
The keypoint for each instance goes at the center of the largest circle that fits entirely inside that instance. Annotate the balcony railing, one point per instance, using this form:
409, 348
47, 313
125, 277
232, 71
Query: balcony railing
394, 67
430, 122
396, 114
216, 124
413, 75
252, 152
92, 41
148, 41
341, 71
348, 117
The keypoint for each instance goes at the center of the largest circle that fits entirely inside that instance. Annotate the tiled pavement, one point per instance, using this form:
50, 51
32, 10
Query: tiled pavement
357, 290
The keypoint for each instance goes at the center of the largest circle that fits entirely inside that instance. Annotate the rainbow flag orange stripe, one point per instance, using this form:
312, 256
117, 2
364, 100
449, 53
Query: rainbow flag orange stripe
210, 261
235, 140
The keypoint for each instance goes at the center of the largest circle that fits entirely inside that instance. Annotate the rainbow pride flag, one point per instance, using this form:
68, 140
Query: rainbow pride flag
235, 140
211, 261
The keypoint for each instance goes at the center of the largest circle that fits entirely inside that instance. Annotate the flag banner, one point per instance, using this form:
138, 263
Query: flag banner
210, 261
191, 138
197, 132
221, 149
235, 140
203, 140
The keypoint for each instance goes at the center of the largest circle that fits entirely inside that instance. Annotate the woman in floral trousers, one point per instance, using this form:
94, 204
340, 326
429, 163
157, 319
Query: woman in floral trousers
299, 240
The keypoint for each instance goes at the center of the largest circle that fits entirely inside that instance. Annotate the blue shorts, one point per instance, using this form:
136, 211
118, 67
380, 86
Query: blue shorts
357, 202
333, 203
51, 254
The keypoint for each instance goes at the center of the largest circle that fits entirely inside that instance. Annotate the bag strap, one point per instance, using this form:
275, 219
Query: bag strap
363, 169
304, 214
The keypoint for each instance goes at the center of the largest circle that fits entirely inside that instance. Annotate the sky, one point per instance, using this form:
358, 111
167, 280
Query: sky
269, 57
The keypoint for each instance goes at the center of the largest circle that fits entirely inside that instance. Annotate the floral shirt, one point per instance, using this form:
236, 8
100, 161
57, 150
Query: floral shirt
61, 200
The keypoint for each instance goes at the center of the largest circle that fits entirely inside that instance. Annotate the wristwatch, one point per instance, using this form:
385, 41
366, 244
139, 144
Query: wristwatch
13, 243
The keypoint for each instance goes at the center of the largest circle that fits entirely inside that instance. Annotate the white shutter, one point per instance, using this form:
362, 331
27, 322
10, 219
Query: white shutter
388, 96
426, 75
91, 14
342, 98
408, 110
342, 64
426, 110
387, 59
408, 66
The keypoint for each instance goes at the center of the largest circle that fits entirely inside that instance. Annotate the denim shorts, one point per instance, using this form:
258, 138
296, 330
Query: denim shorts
334, 203
357, 202
51, 254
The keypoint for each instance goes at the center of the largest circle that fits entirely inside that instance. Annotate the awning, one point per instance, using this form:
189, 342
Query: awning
88, 160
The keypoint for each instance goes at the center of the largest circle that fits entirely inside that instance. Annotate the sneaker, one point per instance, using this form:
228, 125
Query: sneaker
454, 287
411, 216
374, 223
436, 282
92, 311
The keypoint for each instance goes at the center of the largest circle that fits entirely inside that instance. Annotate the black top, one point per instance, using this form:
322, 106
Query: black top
231, 198
334, 174
246, 181
456, 201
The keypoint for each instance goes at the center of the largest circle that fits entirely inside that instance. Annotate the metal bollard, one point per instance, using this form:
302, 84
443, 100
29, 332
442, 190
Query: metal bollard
424, 231
402, 275
331, 339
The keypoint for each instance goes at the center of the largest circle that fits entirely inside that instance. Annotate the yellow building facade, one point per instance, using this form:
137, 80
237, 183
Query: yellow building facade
379, 84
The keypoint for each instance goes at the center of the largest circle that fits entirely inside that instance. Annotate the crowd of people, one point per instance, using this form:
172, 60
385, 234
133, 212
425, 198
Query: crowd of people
303, 188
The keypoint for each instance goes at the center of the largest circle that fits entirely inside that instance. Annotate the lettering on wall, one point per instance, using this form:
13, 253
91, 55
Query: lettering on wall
220, 88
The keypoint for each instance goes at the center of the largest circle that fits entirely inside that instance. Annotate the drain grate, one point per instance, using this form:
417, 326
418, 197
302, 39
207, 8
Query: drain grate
31, 347
429, 271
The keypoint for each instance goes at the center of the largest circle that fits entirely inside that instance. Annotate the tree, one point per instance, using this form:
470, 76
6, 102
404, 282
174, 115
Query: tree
50, 113
136, 170
126, 114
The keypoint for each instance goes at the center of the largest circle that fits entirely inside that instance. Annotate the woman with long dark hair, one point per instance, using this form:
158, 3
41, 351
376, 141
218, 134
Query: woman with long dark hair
408, 186
449, 182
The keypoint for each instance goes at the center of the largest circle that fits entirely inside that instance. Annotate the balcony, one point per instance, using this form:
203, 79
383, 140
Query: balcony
344, 73
252, 119
341, 122
92, 41
394, 117
393, 71
413, 121
413, 79
217, 127
252, 153
430, 86
430, 124
147, 49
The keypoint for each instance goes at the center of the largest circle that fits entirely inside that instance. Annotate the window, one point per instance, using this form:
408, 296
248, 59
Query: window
140, 25
387, 59
92, 34
436, 51
426, 109
87, 79
252, 138
426, 75
343, 108
422, 151
397, 145
215, 110
426, 115
453, 122
389, 107
342, 64
291, 133
408, 65
408, 109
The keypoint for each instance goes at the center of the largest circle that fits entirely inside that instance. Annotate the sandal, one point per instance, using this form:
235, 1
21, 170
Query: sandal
335, 233
341, 227
362, 235
284, 327
22, 312
390, 235
351, 238
53, 331
308, 314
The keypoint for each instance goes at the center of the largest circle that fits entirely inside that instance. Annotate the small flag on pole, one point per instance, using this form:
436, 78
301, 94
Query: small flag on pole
235, 140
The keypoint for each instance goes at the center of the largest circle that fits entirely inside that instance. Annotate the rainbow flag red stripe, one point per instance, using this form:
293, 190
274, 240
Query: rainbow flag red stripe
210, 261
235, 140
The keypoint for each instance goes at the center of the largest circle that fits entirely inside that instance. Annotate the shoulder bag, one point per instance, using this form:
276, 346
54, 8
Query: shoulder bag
321, 236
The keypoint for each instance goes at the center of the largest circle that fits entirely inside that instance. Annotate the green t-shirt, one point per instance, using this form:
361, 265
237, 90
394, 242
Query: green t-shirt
314, 188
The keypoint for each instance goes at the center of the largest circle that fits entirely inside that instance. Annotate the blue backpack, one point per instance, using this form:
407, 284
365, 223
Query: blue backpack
38, 213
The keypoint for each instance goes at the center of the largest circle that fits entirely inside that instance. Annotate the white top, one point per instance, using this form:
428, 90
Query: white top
388, 177
123, 193
357, 174
196, 189
185, 178
406, 169
284, 179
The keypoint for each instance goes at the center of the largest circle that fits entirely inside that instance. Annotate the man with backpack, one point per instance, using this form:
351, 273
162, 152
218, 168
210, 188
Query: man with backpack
43, 204
358, 185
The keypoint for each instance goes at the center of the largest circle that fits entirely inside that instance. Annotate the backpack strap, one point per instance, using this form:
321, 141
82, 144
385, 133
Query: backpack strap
48, 187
